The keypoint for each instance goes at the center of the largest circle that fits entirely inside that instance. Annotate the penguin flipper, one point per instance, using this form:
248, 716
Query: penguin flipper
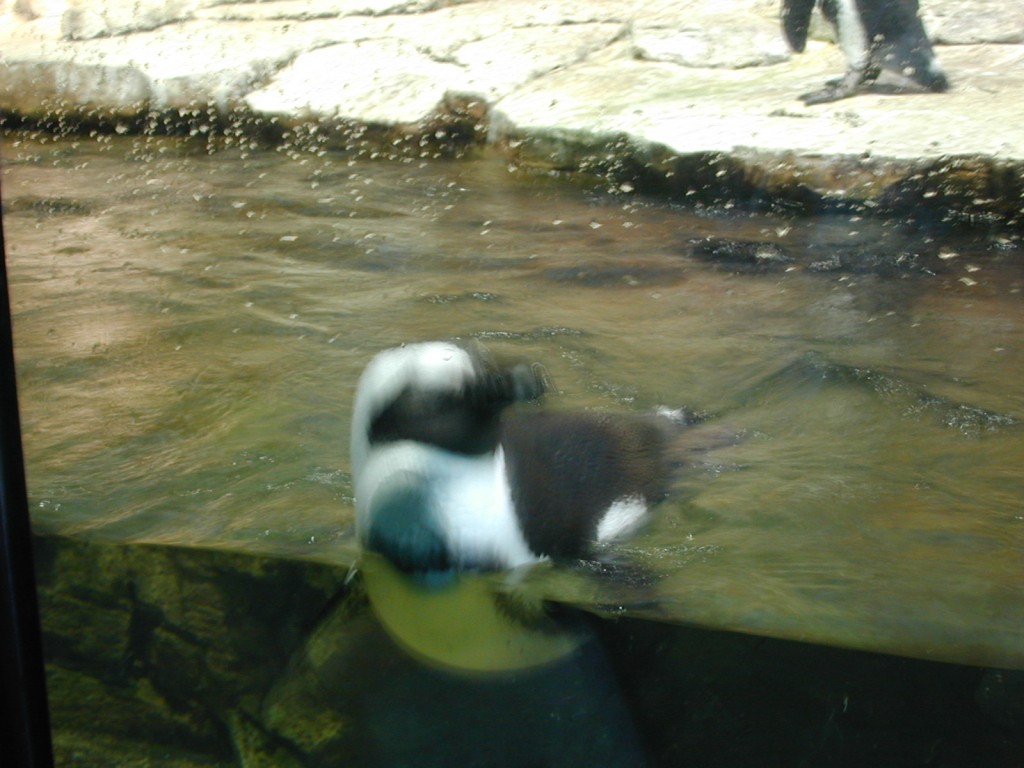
796, 21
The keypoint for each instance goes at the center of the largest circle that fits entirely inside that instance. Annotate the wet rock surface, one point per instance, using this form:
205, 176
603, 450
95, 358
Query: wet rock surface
686, 98
156, 650
187, 657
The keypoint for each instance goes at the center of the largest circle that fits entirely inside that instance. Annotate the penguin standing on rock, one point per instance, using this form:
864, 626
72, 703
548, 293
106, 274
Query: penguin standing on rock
875, 35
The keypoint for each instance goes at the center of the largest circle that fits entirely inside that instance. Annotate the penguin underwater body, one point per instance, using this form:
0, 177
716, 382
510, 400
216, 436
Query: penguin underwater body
454, 483
449, 478
874, 35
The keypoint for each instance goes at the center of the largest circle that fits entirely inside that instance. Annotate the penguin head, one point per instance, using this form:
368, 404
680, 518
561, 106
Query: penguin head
427, 472
438, 394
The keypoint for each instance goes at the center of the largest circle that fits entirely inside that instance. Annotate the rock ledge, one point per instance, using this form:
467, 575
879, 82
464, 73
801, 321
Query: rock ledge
687, 98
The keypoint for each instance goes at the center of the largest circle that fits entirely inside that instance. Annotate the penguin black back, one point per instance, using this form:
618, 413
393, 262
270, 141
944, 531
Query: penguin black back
568, 469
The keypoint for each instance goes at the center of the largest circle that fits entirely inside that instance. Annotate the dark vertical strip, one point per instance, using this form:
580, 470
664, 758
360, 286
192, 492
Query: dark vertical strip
24, 716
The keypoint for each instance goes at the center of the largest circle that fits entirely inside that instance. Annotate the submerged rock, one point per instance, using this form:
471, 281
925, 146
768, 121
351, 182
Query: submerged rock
199, 658
161, 645
740, 255
258, 749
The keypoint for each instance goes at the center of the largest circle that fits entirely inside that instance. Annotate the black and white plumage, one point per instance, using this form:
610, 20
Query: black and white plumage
448, 478
874, 35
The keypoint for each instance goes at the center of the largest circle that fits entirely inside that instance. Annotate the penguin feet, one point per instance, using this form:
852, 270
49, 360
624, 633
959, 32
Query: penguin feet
856, 81
842, 87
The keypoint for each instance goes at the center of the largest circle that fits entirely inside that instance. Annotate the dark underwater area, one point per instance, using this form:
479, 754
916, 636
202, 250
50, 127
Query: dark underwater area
178, 656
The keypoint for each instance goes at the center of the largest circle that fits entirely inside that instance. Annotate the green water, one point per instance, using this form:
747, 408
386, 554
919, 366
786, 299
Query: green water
190, 323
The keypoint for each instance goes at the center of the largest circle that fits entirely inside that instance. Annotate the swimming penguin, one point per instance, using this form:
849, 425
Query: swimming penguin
448, 478
874, 35
455, 487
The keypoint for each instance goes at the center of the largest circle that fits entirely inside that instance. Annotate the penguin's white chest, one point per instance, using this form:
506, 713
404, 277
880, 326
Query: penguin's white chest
463, 502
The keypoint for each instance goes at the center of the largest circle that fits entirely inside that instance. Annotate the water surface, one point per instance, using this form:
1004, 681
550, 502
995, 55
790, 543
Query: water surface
190, 322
